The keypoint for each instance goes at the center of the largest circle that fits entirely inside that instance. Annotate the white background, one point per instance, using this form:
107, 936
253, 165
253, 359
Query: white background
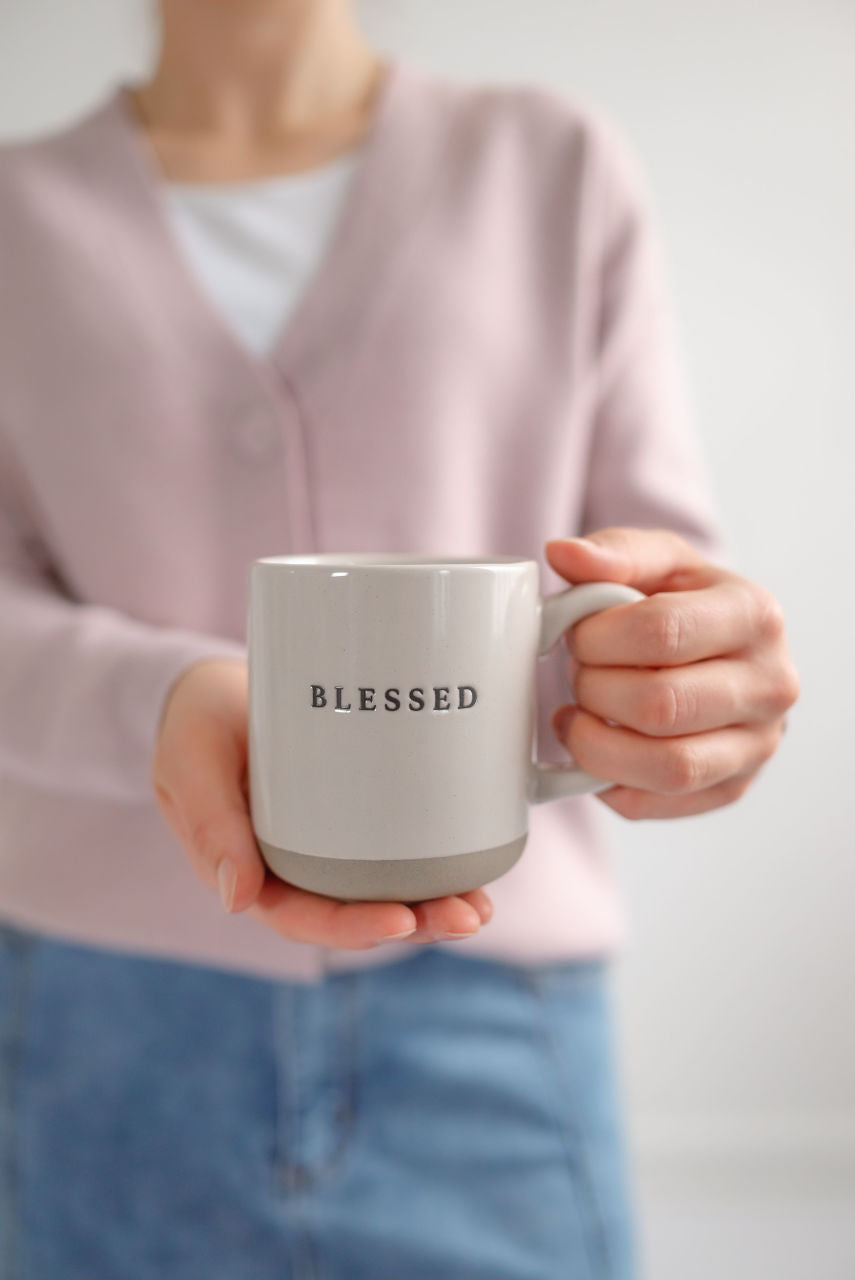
738, 989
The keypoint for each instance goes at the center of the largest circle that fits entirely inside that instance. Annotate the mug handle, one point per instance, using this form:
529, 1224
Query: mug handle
558, 613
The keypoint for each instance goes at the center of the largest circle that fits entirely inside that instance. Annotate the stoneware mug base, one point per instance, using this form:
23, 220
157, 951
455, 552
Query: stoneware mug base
378, 880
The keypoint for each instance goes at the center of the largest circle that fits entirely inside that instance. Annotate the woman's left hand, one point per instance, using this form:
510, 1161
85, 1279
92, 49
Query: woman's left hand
696, 679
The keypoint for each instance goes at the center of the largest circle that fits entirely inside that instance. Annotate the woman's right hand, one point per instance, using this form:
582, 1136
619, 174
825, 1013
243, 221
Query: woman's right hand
202, 788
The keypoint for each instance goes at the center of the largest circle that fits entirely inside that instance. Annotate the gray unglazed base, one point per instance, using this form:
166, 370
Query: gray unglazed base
385, 880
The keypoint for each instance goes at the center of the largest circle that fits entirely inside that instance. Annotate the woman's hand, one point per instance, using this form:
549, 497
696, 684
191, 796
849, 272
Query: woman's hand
695, 680
200, 781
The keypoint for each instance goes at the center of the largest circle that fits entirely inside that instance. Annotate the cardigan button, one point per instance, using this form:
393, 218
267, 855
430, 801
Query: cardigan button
258, 438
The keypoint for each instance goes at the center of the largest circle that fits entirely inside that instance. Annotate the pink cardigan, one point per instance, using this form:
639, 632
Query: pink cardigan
483, 361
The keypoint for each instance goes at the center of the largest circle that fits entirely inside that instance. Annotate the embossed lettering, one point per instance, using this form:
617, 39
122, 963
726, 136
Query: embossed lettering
393, 700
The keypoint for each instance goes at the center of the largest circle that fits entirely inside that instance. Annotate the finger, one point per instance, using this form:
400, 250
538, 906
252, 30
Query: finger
671, 701
482, 903
668, 766
207, 803
678, 627
646, 559
310, 917
641, 805
452, 917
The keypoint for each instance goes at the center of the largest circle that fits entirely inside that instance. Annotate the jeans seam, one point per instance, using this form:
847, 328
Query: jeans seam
575, 1147
301, 1181
11, 1056
287, 1107
288, 1096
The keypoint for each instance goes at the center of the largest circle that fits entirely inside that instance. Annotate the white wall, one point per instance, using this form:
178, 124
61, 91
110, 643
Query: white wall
738, 1014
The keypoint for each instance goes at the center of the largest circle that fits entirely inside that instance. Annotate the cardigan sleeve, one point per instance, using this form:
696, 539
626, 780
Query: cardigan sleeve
82, 685
646, 465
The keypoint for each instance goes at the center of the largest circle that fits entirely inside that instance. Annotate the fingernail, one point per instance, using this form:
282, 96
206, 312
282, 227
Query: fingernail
426, 939
589, 545
227, 881
485, 909
398, 937
482, 905
562, 721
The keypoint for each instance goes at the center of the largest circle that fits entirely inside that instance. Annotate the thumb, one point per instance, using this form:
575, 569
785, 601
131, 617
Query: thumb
199, 784
647, 559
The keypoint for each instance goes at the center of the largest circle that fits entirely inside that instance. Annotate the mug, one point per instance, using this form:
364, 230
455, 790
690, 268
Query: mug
392, 715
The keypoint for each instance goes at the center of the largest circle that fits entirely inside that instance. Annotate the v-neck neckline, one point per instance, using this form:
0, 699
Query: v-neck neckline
346, 247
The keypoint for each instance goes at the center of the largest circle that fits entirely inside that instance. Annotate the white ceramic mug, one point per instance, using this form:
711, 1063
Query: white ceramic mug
392, 715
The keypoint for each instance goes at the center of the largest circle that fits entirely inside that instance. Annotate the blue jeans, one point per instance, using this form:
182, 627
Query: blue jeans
437, 1118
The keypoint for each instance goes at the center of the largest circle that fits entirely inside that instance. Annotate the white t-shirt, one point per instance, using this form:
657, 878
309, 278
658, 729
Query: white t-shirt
255, 245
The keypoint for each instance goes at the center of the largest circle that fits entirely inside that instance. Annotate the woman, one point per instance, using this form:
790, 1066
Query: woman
289, 295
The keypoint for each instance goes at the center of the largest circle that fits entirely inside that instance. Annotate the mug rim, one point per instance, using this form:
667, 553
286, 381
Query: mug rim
391, 561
